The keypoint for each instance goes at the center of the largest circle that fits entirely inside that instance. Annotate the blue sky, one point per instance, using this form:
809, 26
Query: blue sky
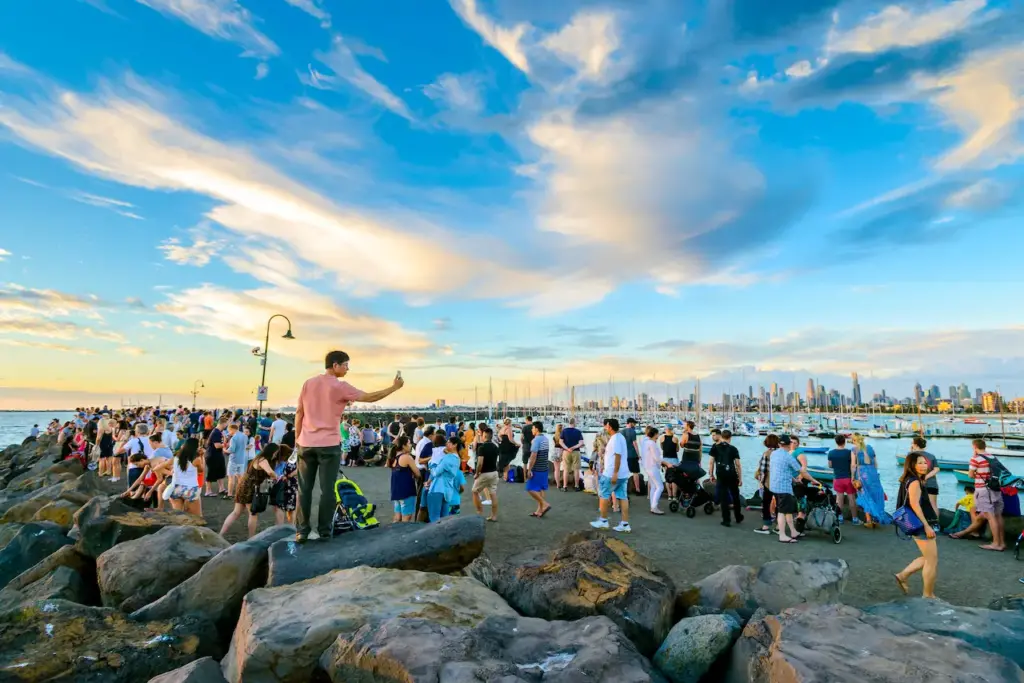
494, 188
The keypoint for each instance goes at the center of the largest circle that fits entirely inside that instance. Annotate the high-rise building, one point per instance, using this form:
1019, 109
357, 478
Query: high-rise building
954, 393
810, 393
918, 394
822, 400
964, 393
934, 394
439, 403
991, 402
977, 396
856, 389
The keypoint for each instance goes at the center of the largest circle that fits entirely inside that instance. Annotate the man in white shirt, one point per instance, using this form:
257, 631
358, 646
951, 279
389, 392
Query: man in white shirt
278, 429
614, 476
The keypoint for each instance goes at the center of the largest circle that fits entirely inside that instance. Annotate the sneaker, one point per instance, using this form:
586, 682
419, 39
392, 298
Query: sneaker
856, 522
762, 531
623, 528
600, 523
485, 502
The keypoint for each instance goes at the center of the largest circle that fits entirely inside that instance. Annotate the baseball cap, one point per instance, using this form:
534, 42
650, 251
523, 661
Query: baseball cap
785, 440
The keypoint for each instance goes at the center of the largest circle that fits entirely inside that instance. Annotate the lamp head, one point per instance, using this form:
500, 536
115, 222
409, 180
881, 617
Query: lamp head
288, 334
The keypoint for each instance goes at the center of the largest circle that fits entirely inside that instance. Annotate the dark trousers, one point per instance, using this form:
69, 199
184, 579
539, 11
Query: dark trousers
766, 506
724, 488
325, 462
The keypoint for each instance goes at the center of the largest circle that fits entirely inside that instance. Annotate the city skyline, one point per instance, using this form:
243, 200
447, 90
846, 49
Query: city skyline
483, 188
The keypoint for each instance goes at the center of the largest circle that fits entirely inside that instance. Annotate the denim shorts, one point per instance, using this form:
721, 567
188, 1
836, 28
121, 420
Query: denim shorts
236, 470
606, 490
405, 507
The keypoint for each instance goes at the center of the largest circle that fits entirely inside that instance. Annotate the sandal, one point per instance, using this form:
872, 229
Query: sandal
788, 540
902, 584
546, 510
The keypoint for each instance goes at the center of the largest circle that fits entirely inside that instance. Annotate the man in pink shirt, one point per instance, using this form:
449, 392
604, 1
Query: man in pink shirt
322, 401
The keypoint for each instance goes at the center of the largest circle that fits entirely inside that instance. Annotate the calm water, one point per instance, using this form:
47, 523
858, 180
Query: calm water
14, 427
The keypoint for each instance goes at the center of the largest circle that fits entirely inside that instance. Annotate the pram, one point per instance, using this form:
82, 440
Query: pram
822, 513
687, 476
353, 511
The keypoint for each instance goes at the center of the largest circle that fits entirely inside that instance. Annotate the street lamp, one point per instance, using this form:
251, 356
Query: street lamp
266, 348
195, 392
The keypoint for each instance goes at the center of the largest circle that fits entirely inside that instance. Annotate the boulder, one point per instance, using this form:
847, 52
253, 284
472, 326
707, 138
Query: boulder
694, 645
841, 644
135, 573
66, 556
1010, 602
23, 512
33, 543
283, 631
444, 547
774, 586
946, 517
1001, 632
7, 532
63, 583
217, 589
497, 649
590, 574
105, 521
204, 670
61, 512
61, 641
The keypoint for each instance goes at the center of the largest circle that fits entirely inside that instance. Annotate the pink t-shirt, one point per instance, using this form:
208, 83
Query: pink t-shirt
323, 399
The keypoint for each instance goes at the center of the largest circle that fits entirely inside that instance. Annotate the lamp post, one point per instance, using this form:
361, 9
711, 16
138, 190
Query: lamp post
266, 348
195, 392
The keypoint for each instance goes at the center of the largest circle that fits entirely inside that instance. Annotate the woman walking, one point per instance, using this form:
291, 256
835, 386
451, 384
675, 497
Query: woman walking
871, 496
913, 493
651, 458
185, 478
258, 472
404, 478
556, 456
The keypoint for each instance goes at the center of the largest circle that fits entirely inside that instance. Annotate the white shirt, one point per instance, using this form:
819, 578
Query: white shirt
616, 444
250, 449
421, 451
169, 439
651, 455
436, 455
132, 447
279, 427
189, 477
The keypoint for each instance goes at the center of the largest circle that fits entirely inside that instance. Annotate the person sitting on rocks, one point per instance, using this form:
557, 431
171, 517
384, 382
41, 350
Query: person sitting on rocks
185, 478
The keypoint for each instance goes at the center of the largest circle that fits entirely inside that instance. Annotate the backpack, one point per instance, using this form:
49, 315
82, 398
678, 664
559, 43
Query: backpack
998, 476
511, 477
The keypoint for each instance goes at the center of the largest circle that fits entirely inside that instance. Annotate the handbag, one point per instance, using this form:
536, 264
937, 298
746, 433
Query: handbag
905, 520
260, 498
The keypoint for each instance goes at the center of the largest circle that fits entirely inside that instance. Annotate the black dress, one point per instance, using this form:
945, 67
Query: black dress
216, 468
507, 451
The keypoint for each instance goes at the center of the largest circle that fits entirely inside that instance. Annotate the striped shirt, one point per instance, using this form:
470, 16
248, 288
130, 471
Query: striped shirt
540, 446
982, 470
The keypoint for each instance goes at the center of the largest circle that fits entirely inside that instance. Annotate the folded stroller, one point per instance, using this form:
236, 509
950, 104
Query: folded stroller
353, 511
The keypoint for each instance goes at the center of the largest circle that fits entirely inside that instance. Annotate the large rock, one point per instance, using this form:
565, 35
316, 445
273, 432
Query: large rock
63, 583
203, 670
497, 649
1001, 632
590, 574
23, 512
217, 589
61, 641
105, 521
840, 644
32, 543
61, 512
694, 645
774, 586
135, 573
8, 532
283, 631
66, 556
444, 547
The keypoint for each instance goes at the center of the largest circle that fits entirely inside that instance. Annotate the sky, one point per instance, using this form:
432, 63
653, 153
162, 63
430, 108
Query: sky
516, 191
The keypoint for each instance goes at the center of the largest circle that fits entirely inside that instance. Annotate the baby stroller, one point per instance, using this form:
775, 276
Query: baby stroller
822, 513
691, 494
353, 511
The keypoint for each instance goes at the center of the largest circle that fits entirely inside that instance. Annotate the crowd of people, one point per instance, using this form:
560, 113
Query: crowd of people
180, 456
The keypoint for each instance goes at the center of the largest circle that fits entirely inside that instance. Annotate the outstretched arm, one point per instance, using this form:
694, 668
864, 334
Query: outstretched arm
374, 396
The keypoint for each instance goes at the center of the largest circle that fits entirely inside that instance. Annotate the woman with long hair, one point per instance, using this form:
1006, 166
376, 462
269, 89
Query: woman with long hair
651, 459
404, 477
913, 493
259, 471
109, 465
508, 448
556, 456
188, 463
871, 495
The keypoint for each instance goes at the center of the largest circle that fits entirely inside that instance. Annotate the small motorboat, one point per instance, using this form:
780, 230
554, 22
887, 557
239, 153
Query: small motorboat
944, 464
821, 474
878, 434
963, 477
974, 421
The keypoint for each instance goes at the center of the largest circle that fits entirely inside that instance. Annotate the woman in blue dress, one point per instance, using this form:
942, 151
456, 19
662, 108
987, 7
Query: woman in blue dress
871, 495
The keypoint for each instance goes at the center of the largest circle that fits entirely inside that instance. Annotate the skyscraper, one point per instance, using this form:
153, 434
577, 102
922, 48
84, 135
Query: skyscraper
934, 394
917, 394
965, 393
978, 393
810, 393
856, 390
954, 393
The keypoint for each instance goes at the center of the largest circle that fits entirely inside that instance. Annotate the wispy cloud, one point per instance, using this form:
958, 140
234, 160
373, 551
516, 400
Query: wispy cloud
198, 253
222, 19
896, 26
313, 8
10, 66
588, 42
457, 93
442, 324
342, 66
57, 330
117, 206
131, 350
262, 71
507, 41
4, 254
64, 348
